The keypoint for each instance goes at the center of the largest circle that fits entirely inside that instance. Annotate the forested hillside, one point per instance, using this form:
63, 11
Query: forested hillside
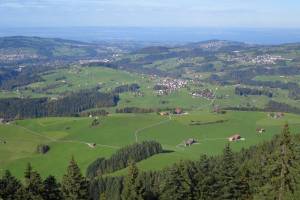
69, 105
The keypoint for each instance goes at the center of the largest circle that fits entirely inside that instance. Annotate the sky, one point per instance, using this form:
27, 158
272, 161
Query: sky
150, 13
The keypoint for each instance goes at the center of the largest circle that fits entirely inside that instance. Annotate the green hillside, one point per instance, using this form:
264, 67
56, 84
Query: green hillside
70, 137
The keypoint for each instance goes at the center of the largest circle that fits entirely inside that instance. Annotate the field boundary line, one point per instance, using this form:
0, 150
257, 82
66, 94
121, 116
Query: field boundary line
87, 143
36, 133
138, 131
61, 140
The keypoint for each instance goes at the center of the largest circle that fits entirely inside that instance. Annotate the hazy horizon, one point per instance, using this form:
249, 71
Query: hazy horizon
159, 34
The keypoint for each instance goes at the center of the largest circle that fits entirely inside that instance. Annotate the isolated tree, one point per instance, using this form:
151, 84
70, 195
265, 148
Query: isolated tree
130, 183
74, 185
51, 189
27, 173
9, 186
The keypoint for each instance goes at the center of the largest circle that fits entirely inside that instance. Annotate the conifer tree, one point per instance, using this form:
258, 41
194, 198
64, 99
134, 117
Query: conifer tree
175, 186
33, 185
130, 191
51, 189
74, 185
9, 186
229, 175
204, 178
282, 168
27, 173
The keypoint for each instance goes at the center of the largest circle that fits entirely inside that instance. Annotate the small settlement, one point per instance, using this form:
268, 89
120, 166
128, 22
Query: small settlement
206, 93
168, 85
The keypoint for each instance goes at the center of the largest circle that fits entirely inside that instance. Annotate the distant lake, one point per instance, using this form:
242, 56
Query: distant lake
249, 35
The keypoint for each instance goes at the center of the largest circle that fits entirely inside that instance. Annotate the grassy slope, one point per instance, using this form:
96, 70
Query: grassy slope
68, 136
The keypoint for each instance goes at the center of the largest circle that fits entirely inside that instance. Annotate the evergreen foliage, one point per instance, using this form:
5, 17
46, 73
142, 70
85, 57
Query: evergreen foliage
74, 185
69, 105
130, 191
51, 189
120, 159
9, 186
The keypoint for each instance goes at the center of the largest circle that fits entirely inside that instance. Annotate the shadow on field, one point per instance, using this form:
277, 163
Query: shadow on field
168, 151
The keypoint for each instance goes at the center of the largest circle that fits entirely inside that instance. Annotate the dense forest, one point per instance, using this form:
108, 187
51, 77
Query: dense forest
267, 171
250, 91
121, 158
70, 104
127, 88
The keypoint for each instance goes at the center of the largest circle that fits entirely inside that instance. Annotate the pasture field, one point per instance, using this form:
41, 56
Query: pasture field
70, 137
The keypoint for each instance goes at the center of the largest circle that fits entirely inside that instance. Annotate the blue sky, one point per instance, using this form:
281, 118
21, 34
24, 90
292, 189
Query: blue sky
151, 13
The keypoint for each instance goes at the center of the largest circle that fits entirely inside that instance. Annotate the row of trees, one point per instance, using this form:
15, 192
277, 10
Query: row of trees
119, 160
68, 105
136, 110
252, 91
267, 171
73, 186
281, 107
127, 88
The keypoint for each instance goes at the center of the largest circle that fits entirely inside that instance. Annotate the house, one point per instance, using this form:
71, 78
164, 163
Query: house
92, 145
260, 130
178, 111
234, 138
277, 115
190, 142
163, 113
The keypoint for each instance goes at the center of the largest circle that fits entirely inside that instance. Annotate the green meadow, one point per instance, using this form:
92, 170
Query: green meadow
69, 137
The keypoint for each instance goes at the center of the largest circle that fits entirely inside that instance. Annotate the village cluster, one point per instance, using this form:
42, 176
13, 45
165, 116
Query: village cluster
20, 55
169, 85
266, 59
206, 93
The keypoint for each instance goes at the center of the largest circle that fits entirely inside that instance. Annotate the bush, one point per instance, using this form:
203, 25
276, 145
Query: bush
43, 148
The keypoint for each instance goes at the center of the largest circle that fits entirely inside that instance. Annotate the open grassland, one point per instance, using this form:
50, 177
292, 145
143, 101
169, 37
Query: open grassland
284, 79
70, 136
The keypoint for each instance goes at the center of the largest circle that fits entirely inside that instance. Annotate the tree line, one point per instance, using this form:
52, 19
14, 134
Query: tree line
69, 105
266, 171
252, 91
119, 160
127, 88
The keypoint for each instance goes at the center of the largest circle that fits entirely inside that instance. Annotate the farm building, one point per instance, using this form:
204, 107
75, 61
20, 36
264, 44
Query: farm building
260, 130
178, 111
163, 113
234, 138
92, 145
277, 115
190, 142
